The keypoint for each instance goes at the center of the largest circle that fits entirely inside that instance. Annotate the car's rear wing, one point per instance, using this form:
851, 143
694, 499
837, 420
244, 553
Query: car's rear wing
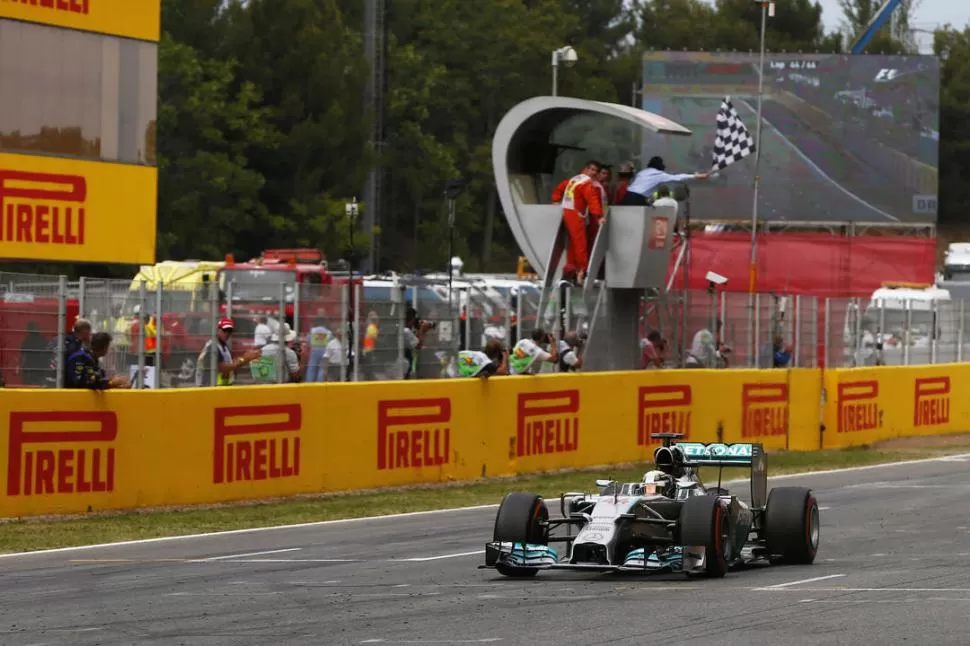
716, 454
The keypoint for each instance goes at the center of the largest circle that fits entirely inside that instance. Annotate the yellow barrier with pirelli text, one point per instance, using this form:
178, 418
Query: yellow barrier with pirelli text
865, 405
77, 451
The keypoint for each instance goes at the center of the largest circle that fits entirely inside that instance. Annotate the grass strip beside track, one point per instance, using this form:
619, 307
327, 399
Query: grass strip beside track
46, 533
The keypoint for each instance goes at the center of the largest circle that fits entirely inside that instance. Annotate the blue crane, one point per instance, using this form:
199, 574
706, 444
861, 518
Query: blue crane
878, 20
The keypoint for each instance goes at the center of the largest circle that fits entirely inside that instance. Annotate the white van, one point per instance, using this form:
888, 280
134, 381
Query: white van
902, 324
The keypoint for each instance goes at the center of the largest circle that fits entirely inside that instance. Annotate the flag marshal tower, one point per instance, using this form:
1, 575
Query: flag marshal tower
78, 95
633, 247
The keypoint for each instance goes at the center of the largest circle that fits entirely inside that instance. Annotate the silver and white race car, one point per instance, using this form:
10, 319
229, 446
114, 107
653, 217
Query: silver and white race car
668, 522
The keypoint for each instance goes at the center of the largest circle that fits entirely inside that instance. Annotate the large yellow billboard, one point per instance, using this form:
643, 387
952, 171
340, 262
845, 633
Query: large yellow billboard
77, 211
128, 18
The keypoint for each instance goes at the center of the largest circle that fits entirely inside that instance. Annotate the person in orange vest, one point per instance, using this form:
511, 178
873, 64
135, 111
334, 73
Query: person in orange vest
580, 199
625, 175
151, 336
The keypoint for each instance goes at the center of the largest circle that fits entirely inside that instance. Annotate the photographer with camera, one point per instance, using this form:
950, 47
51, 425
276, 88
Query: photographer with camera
494, 360
414, 331
528, 355
571, 351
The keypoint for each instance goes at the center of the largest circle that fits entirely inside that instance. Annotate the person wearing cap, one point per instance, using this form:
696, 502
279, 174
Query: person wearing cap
645, 184
624, 174
226, 365
266, 368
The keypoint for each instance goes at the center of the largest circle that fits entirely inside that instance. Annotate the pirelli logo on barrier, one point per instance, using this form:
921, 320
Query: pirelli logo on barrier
128, 18
932, 402
42, 208
547, 423
663, 409
413, 433
764, 410
252, 443
61, 452
859, 406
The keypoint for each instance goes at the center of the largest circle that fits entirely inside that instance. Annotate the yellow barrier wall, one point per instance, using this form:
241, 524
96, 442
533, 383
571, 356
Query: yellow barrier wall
72, 451
865, 405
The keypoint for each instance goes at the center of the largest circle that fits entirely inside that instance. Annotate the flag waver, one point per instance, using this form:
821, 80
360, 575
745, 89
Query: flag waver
733, 141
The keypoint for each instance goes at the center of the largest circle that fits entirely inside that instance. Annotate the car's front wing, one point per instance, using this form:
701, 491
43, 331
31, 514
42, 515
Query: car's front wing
544, 557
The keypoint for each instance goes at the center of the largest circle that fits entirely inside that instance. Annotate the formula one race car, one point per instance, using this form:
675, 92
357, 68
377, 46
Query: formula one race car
669, 522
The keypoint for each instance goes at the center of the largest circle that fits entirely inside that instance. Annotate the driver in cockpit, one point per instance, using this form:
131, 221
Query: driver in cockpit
669, 463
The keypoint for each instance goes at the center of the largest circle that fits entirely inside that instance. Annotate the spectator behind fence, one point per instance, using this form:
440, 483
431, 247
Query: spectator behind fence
80, 337
528, 355
334, 357
83, 367
653, 348
262, 332
777, 354
226, 366
265, 369
494, 360
414, 331
570, 352
320, 336
368, 360
707, 351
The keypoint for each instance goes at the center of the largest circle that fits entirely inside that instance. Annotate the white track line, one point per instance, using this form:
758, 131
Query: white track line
415, 514
443, 556
240, 556
800, 581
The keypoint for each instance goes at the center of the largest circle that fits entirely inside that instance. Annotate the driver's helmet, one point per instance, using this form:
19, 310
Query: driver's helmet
670, 460
656, 483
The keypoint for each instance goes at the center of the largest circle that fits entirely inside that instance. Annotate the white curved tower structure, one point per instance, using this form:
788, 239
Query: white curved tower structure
634, 244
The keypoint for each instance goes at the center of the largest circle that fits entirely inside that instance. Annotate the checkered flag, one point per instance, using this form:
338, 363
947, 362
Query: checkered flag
733, 141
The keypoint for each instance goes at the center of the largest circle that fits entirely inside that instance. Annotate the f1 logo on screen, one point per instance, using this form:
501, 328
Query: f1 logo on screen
61, 452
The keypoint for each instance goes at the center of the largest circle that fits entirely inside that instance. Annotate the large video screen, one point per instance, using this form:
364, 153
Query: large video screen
844, 138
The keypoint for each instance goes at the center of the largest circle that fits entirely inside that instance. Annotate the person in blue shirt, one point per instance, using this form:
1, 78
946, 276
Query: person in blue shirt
645, 184
83, 368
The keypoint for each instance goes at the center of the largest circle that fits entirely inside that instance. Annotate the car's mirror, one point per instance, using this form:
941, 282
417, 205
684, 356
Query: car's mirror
604, 483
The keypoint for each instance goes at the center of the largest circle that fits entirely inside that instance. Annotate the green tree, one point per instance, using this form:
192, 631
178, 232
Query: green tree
795, 27
953, 48
208, 123
308, 65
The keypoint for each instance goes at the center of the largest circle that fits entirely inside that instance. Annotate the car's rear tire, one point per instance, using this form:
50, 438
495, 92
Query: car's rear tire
704, 521
792, 526
521, 518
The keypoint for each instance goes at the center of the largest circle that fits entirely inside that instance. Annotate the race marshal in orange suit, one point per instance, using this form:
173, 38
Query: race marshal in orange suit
580, 199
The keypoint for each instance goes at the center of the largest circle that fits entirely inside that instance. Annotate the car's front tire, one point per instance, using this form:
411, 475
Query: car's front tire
704, 521
521, 518
792, 526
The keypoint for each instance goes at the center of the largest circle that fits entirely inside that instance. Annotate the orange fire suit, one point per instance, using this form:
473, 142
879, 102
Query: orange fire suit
580, 198
620, 190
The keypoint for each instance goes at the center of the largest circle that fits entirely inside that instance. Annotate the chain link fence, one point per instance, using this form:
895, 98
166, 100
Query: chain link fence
412, 328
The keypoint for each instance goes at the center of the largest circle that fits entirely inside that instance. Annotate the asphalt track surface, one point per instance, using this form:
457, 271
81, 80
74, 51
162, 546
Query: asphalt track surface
893, 568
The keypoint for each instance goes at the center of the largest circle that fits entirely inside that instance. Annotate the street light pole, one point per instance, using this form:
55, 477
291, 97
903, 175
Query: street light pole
568, 57
352, 209
766, 6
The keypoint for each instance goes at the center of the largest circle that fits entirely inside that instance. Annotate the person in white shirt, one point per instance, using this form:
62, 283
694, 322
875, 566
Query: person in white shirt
266, 368
334, 357
570, 352
262, 333
528, 355
646, 182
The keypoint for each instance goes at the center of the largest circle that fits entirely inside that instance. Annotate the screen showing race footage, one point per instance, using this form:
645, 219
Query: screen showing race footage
844, 138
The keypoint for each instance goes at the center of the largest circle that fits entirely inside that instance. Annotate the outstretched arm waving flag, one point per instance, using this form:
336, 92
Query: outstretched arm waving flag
733, 141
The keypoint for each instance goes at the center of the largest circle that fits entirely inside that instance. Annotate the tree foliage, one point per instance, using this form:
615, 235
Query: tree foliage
263, 130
